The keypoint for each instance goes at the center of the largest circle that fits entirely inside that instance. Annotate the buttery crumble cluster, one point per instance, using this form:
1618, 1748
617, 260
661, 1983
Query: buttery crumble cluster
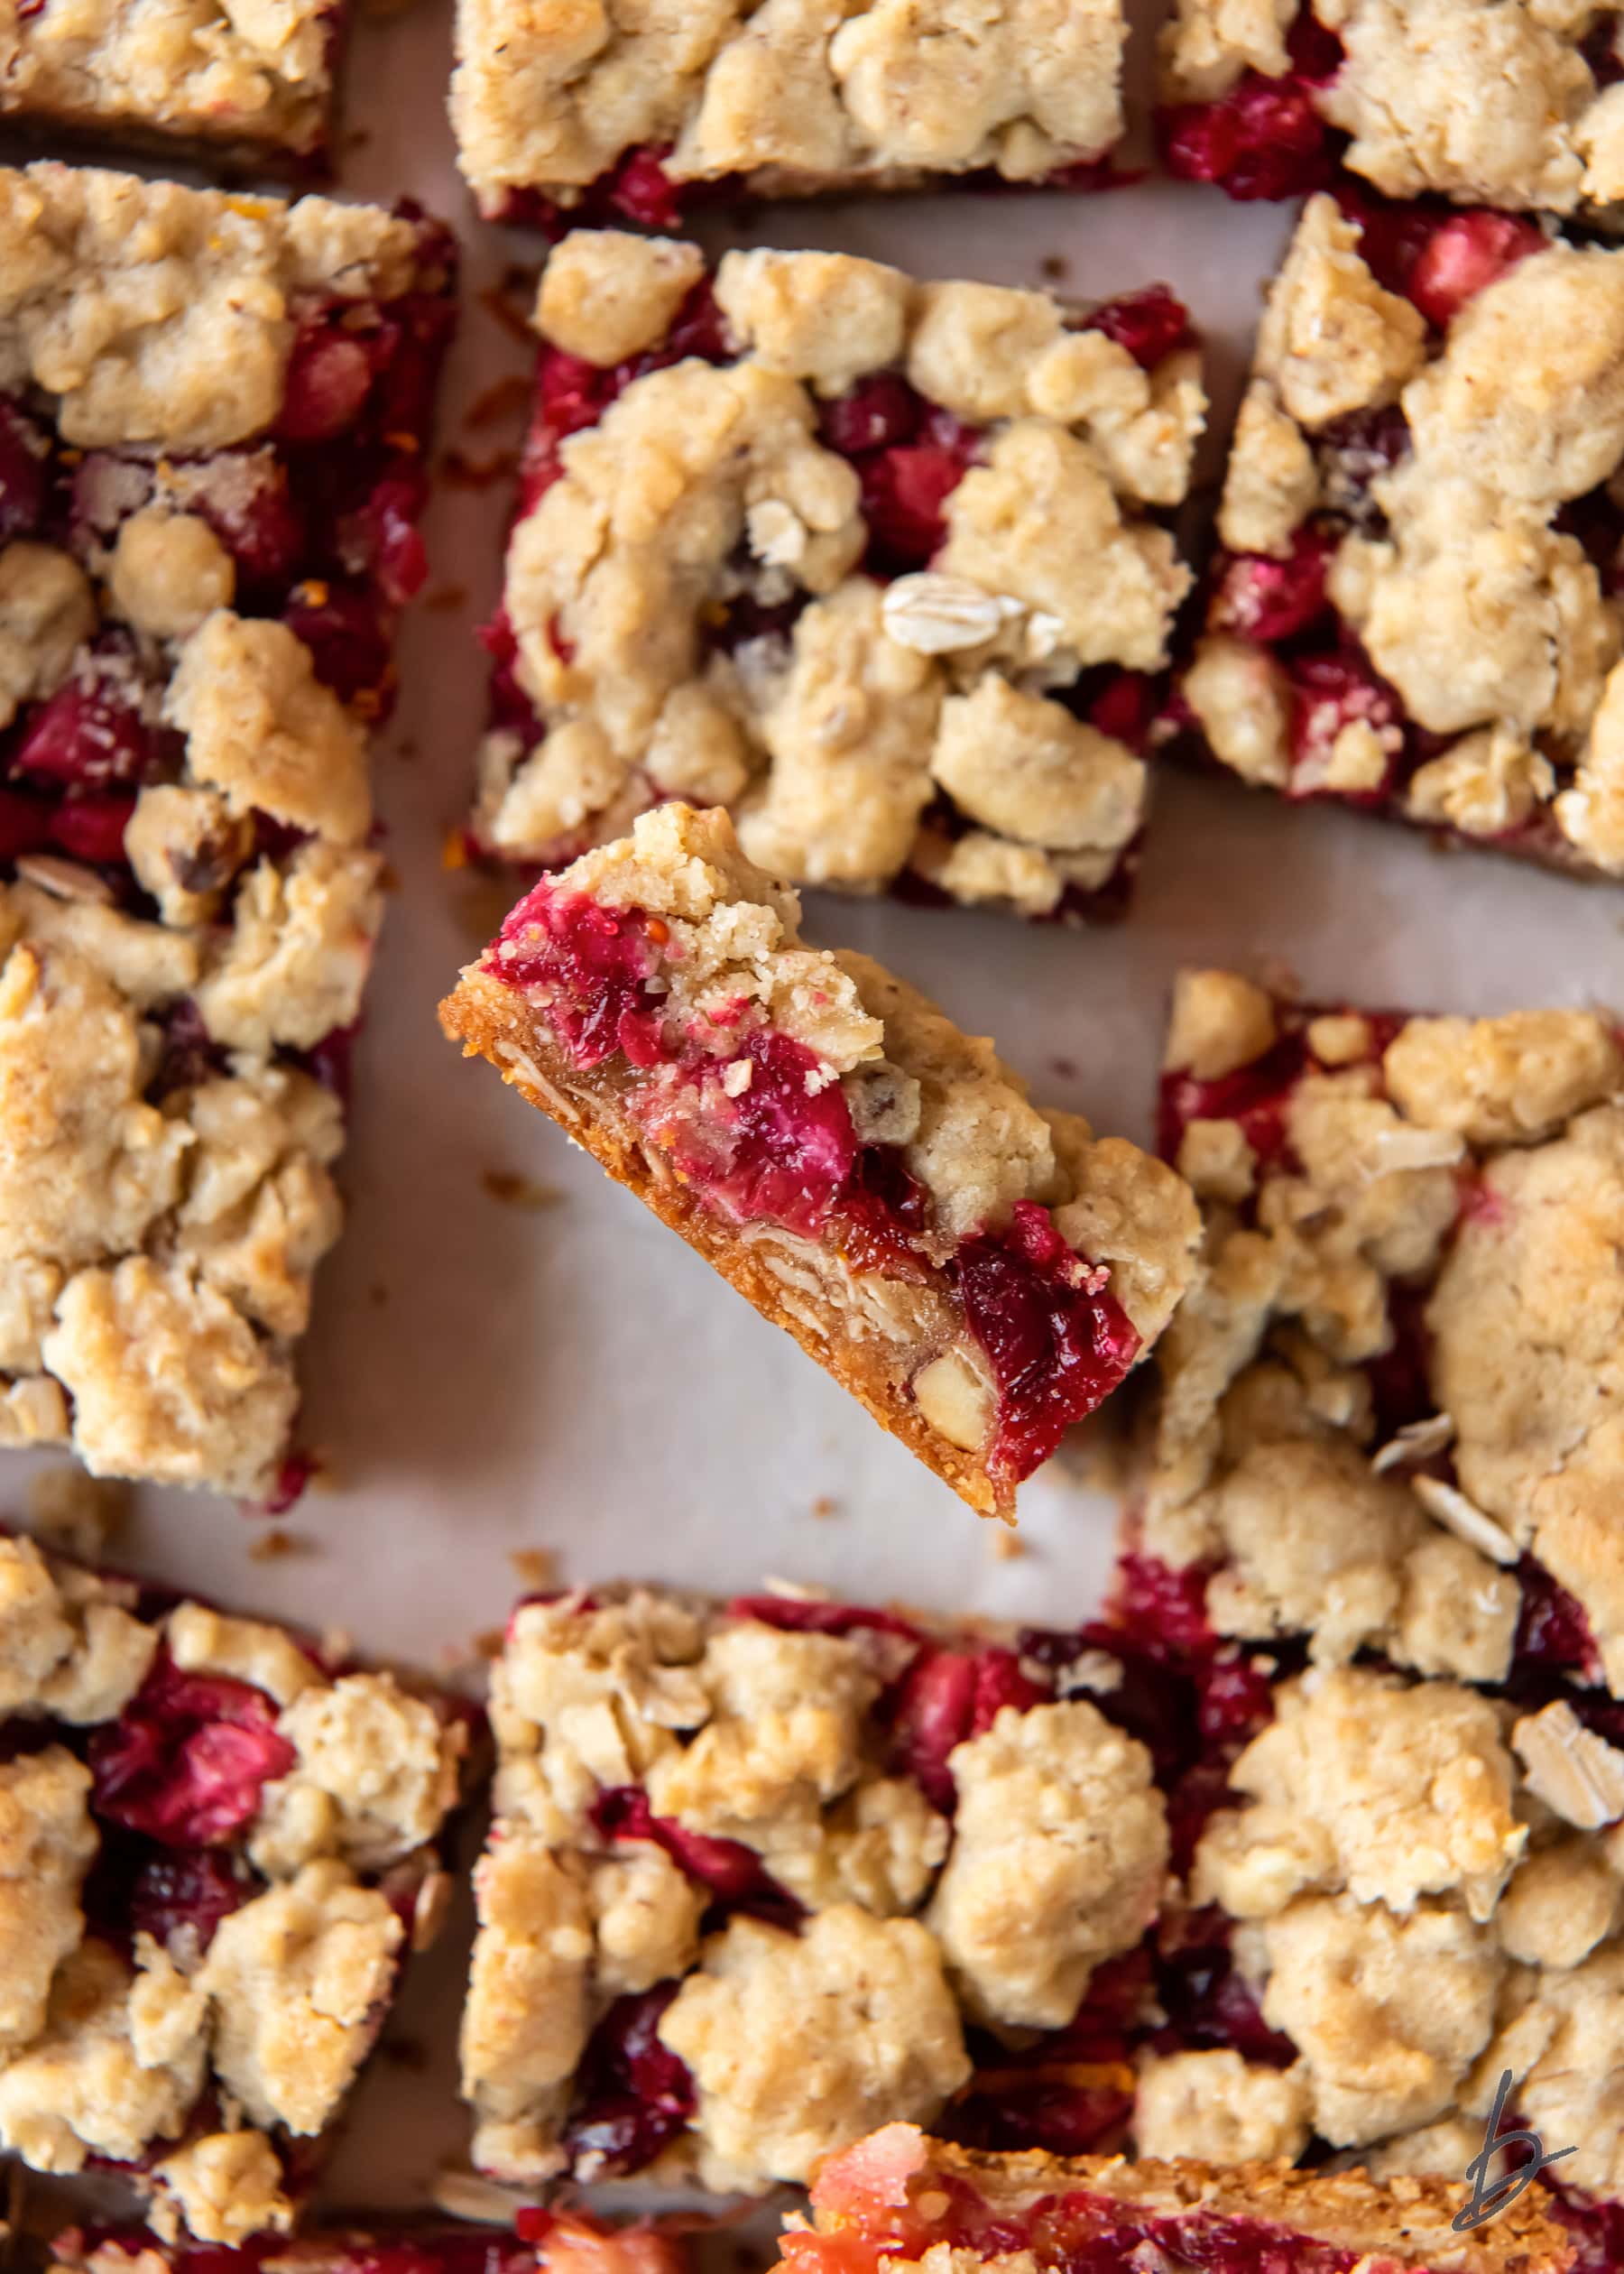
796, 2036
886, 95
704, 487
1426, 1883
256, 1998
1517, 105
165, 1192
1442, 473
256, 74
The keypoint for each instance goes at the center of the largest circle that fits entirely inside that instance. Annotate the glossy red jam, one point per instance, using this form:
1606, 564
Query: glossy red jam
632, 2096
1265, 138
733, 1874
187, 1758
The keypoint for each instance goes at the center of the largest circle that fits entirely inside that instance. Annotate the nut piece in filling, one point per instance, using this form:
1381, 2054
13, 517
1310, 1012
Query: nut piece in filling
886, 569
899, 2200
764, 1874
633, 114
978, 1272
1514, 105
217, 1847
208, 528
1416, 610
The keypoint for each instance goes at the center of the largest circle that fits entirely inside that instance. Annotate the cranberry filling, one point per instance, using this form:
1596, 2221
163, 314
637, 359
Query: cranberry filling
90, 734
1150, 323
734, 1873
1264, 139
593, 961
1271, 600
572, 393
792, 1147
191, 1889
905, 486
1463, 254
1057, 1340
1257, 1095
946, 1697
1552, 1634
23, 473
632, 2096
795, 1616
186, 1760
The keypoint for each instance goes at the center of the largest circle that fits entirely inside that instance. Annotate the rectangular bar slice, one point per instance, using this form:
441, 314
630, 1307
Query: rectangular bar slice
980, 1274
1417, 608
635, 117
767, 1872
213, 419
249, 88
218, 1845
1406, 1318
900, 2200
1515, 106
547, 2242
881, 566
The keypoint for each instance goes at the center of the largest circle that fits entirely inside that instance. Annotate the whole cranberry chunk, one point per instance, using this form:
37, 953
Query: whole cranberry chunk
1265, 139
186, 1760
342, 627
642, 191
330, 376
633, 2096
90, 734
24, 824
191, 1891
92, 829
792, 1146
880, 412
1464, 254
1150, 323
1268, 600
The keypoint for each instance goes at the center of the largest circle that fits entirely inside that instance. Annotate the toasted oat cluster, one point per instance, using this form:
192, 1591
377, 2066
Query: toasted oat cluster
1513, 104
1417, 609
1388, 1406
766, 1874
253, 84
898, 2201
979, 1272
880, 566
212, 420
215, 1847
628, 111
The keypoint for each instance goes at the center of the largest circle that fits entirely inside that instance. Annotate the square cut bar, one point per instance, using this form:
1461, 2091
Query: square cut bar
1417, 608
1513, 106
546, 2242
765, 1873
900, 2201
235, 87
980, 1274
219, 1844
635, 114
213, 419
1402, 1348
881, 566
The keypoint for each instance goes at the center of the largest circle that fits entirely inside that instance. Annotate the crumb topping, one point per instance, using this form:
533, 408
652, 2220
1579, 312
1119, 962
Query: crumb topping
883, 96
1220, 2108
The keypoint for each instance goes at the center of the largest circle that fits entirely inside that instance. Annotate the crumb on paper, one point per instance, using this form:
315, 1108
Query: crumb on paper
1064, 1069
825, 1506
1008, 1546
278, 1543
406, 2052
445, 599
1054, 268
75, 1512
509, 398
464, 472
389, 878
508, 302
536, 1567
515, 1191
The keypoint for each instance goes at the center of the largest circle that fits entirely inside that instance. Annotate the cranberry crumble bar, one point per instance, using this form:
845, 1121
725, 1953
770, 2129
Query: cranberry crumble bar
880, 566
213, 414
1513, 104
899, 2202
216, 1847
631, 112
247, 85
544, 2242
980, 1274
1417, 609
766, 1874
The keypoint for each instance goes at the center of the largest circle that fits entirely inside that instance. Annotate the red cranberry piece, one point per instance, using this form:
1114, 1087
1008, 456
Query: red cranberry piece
1465, 253
734, 1873
1057, 1340
1257, 1097
22, 474
1330, 692
793, 1616
791, 1149
1553, 1632
381, 537
905, 493
880, 412
946, 1697
1149, 1700
24, 824
595, 960
190, 1056
1051, 2113
698, 330
343, 627
573, 393
193, 1890
1164, 1610
92, 829
90, 734
642, 191
883, 1210
633, 2096
1264, 139
1123, 706
329, 377
1206, 2002
1268, 600
1236, 1701
185, 1762
259, 524
1150, 323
